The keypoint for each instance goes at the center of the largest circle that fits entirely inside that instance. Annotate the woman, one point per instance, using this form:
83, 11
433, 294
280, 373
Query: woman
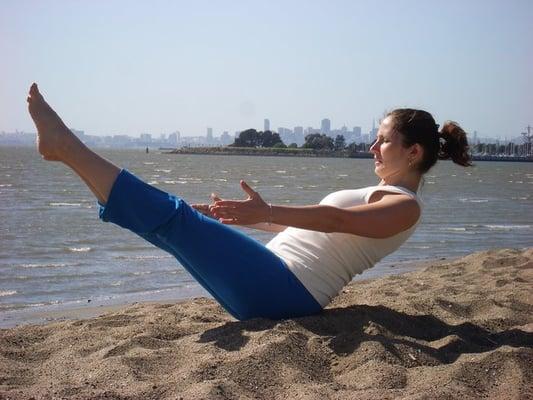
319, 248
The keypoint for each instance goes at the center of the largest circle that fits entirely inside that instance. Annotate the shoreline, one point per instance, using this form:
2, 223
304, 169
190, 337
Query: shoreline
300, 152
74, 310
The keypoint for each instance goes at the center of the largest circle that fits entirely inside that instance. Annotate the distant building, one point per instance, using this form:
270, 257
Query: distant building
372, 135
209, 137
325, 126
173, 139
226, 139
145, 138
266, 125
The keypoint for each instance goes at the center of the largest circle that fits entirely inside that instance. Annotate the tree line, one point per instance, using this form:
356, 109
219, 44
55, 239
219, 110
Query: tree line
315, 141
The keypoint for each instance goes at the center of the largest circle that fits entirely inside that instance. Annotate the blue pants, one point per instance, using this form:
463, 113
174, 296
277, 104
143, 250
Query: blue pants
245, 277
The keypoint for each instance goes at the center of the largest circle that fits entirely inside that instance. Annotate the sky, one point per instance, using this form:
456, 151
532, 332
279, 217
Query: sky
130, 67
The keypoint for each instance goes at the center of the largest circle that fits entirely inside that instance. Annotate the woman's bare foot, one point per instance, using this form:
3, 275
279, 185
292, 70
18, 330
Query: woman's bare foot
53, 137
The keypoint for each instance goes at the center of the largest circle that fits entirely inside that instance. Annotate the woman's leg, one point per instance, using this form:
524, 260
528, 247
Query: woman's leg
57, 143
243, 275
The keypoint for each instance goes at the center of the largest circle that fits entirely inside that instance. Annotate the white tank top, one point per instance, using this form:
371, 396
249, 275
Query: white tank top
326, 262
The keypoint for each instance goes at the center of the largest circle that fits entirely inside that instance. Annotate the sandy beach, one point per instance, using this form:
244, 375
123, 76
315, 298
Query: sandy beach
456, 329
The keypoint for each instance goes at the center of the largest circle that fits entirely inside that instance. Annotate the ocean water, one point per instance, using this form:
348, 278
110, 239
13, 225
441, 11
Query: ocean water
54, 251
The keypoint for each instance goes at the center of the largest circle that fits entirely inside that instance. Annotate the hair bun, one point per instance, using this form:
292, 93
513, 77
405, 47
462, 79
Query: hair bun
453, 144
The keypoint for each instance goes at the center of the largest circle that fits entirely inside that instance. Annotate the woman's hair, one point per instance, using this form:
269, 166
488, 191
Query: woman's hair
418, 126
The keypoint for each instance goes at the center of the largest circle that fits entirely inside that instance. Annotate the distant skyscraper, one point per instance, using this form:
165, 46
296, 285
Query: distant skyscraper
173, 138
373, 133
325, 126
266, 126
209, 137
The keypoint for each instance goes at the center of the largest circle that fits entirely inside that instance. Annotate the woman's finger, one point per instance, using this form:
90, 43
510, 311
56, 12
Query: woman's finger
200, 207
249, 191
228, 221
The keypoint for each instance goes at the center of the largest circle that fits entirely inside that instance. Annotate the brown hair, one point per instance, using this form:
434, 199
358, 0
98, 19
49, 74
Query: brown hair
418, 126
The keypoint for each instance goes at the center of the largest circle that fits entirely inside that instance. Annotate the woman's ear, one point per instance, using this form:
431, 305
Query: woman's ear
416, 152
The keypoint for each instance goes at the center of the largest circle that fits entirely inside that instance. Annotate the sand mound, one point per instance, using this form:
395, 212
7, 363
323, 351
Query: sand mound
461, 329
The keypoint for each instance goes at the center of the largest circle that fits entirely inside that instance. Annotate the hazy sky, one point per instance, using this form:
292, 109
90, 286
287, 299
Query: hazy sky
127, 67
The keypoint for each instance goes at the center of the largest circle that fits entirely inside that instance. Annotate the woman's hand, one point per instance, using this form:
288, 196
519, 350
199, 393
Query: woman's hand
204, 208
242, 212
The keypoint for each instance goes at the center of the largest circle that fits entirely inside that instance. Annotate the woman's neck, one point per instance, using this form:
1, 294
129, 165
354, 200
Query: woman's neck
410, 182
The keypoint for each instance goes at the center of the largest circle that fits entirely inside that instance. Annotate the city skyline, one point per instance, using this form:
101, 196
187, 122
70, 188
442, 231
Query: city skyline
133, 67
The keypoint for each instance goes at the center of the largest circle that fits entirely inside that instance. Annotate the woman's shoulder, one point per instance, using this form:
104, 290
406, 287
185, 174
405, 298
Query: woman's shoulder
346, 197
380, 189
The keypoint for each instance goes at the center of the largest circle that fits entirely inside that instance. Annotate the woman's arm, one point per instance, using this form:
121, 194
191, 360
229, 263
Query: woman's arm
389, 215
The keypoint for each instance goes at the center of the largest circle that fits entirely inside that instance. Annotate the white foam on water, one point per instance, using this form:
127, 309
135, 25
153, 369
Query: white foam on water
80, 249
6, 185
53, 265
65, 204
140, 273
4, 293
505, 227
143, 257
281, 172
473, 200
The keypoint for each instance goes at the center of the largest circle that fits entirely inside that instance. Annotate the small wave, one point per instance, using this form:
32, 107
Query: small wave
79, 249
57, 265
342, 175
148, 163
6, 185
474, 200
453, 229
65, 204
281, 172
117, 283
505, 227
279, 186
220, 180
140, 273
143, 257
4, 293
153, 182
163, 170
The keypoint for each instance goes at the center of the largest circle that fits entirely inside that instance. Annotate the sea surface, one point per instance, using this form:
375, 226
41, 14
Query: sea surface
55, 252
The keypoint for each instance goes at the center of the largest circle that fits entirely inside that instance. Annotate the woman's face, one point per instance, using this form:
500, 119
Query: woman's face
391, 159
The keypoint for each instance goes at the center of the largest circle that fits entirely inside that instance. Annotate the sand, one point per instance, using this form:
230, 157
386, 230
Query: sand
455, 330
